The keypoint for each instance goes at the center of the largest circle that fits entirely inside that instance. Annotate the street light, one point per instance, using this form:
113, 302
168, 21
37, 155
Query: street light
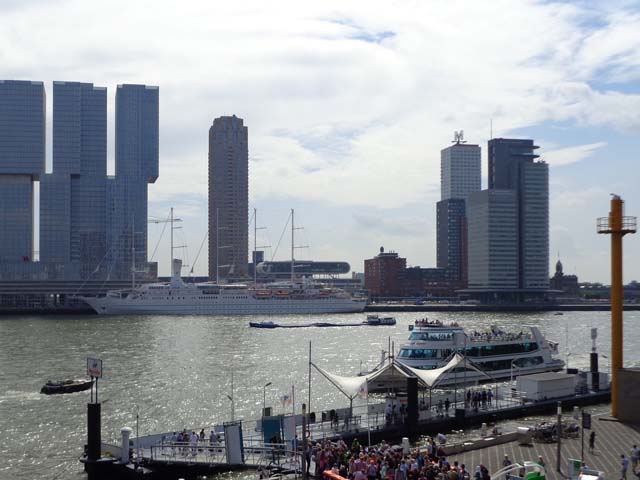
264, 398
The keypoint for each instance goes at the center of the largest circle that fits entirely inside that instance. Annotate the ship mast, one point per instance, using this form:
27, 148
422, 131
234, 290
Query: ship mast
255, 245
293, 229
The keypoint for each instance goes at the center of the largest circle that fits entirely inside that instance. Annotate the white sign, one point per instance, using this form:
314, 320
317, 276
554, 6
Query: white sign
94, 367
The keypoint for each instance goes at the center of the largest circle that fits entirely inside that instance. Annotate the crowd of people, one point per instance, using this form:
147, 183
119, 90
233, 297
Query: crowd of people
384, 462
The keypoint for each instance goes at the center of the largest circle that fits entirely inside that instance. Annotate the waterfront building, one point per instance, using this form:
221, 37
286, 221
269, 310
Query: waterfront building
512, 168
460, 170
22, 161
567, 284
459, 177
493, 240
136, 155
72, 197
382, 274
228, 198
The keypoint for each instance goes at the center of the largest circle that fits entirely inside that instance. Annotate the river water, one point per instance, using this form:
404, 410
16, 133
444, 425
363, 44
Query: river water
177, 371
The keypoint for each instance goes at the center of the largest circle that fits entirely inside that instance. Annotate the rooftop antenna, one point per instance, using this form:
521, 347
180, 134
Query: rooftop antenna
490, 128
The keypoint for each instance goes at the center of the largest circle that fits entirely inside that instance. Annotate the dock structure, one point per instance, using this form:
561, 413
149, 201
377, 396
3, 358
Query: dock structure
243, 445
612, 440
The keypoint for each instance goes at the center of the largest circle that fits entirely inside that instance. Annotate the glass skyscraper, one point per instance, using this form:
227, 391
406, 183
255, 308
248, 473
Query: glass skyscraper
459, 177
137, 145
509, 223
22, 160
72, 198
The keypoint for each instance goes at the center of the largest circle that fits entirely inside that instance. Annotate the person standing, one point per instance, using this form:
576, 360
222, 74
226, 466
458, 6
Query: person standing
624, 465
635, 454
592, 441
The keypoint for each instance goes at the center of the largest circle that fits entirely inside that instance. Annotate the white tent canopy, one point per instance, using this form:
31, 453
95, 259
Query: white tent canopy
431, 377
352, 386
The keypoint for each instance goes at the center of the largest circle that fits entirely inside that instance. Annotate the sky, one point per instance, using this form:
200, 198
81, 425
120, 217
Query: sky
348, 104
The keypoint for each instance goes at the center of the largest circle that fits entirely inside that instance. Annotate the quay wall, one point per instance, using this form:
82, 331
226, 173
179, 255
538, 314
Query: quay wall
389, 308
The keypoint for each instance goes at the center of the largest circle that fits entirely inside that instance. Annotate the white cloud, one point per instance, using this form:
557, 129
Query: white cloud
569, 155
347, 102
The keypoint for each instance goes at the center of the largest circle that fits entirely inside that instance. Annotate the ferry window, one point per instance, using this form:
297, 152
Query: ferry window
418, 353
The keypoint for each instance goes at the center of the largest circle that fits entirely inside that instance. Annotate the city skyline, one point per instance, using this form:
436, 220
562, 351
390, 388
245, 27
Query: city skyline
348, 118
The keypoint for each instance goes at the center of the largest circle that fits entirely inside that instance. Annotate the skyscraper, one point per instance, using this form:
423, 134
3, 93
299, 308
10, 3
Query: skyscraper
228, 197
459, 177
137, 145
493, 240
22, 160
72, 198
517, 185
512, 166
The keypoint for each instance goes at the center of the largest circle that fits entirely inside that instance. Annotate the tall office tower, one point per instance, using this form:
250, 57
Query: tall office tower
493, 240
72, 198
459, 177
228, 198
512, 166
459, 170
22, 160
137, 133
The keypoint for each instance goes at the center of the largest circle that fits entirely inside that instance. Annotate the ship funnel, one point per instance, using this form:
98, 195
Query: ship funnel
176, 268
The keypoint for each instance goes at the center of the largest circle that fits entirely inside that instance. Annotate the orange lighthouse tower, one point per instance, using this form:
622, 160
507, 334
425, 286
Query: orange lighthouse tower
617, 225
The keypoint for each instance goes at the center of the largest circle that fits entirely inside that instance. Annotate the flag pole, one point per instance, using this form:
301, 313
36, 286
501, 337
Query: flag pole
309, 403
293, 398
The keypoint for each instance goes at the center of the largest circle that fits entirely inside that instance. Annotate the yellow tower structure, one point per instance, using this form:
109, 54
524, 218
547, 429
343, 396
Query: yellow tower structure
617, 225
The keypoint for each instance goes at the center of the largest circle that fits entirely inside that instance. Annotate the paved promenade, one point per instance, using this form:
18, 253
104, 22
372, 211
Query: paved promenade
612, 439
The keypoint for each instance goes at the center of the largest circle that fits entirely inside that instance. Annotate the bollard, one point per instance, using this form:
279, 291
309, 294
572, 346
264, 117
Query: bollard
483, 430
126, 433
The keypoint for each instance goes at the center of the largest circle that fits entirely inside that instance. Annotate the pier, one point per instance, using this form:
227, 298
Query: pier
242, 445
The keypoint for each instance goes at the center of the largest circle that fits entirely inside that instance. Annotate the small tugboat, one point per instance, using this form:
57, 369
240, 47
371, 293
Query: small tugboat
66, 386
378, 320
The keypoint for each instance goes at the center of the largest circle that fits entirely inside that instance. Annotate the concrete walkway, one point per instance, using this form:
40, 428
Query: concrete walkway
612, 439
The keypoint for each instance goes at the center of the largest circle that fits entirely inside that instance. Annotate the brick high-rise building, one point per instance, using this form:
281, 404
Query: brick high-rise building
228, 198
383, 274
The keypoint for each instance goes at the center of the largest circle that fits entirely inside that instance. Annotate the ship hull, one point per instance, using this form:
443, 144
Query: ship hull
111, 306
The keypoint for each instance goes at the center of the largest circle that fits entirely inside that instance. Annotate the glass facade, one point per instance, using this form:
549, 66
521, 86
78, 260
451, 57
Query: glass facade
72, 201
137, 146
22, 160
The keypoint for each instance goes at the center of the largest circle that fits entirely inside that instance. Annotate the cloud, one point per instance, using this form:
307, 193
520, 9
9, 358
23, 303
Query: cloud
348, 103
569, 155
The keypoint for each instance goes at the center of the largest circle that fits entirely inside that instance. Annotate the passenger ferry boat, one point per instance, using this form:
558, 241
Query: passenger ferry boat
179, 298
499, 354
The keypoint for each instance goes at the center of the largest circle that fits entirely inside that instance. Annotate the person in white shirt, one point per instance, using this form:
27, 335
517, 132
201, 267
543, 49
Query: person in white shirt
194, 443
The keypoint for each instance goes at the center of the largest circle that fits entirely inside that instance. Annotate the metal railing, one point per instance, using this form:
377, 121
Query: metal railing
201, 452
628, 225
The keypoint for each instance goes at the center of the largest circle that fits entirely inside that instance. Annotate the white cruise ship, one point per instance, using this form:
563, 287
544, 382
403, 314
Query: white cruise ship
179, 298
500, 354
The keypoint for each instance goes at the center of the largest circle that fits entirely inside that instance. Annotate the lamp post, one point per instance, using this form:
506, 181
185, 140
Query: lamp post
137, 437
559, 432
264, 398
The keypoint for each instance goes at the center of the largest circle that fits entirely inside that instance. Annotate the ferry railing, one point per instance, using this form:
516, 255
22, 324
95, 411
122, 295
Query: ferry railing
201, 452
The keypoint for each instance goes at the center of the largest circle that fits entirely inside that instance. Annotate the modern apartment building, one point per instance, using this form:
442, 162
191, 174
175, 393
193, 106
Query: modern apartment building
137, 152
228, 198
459, 177
73, 196
22, 161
